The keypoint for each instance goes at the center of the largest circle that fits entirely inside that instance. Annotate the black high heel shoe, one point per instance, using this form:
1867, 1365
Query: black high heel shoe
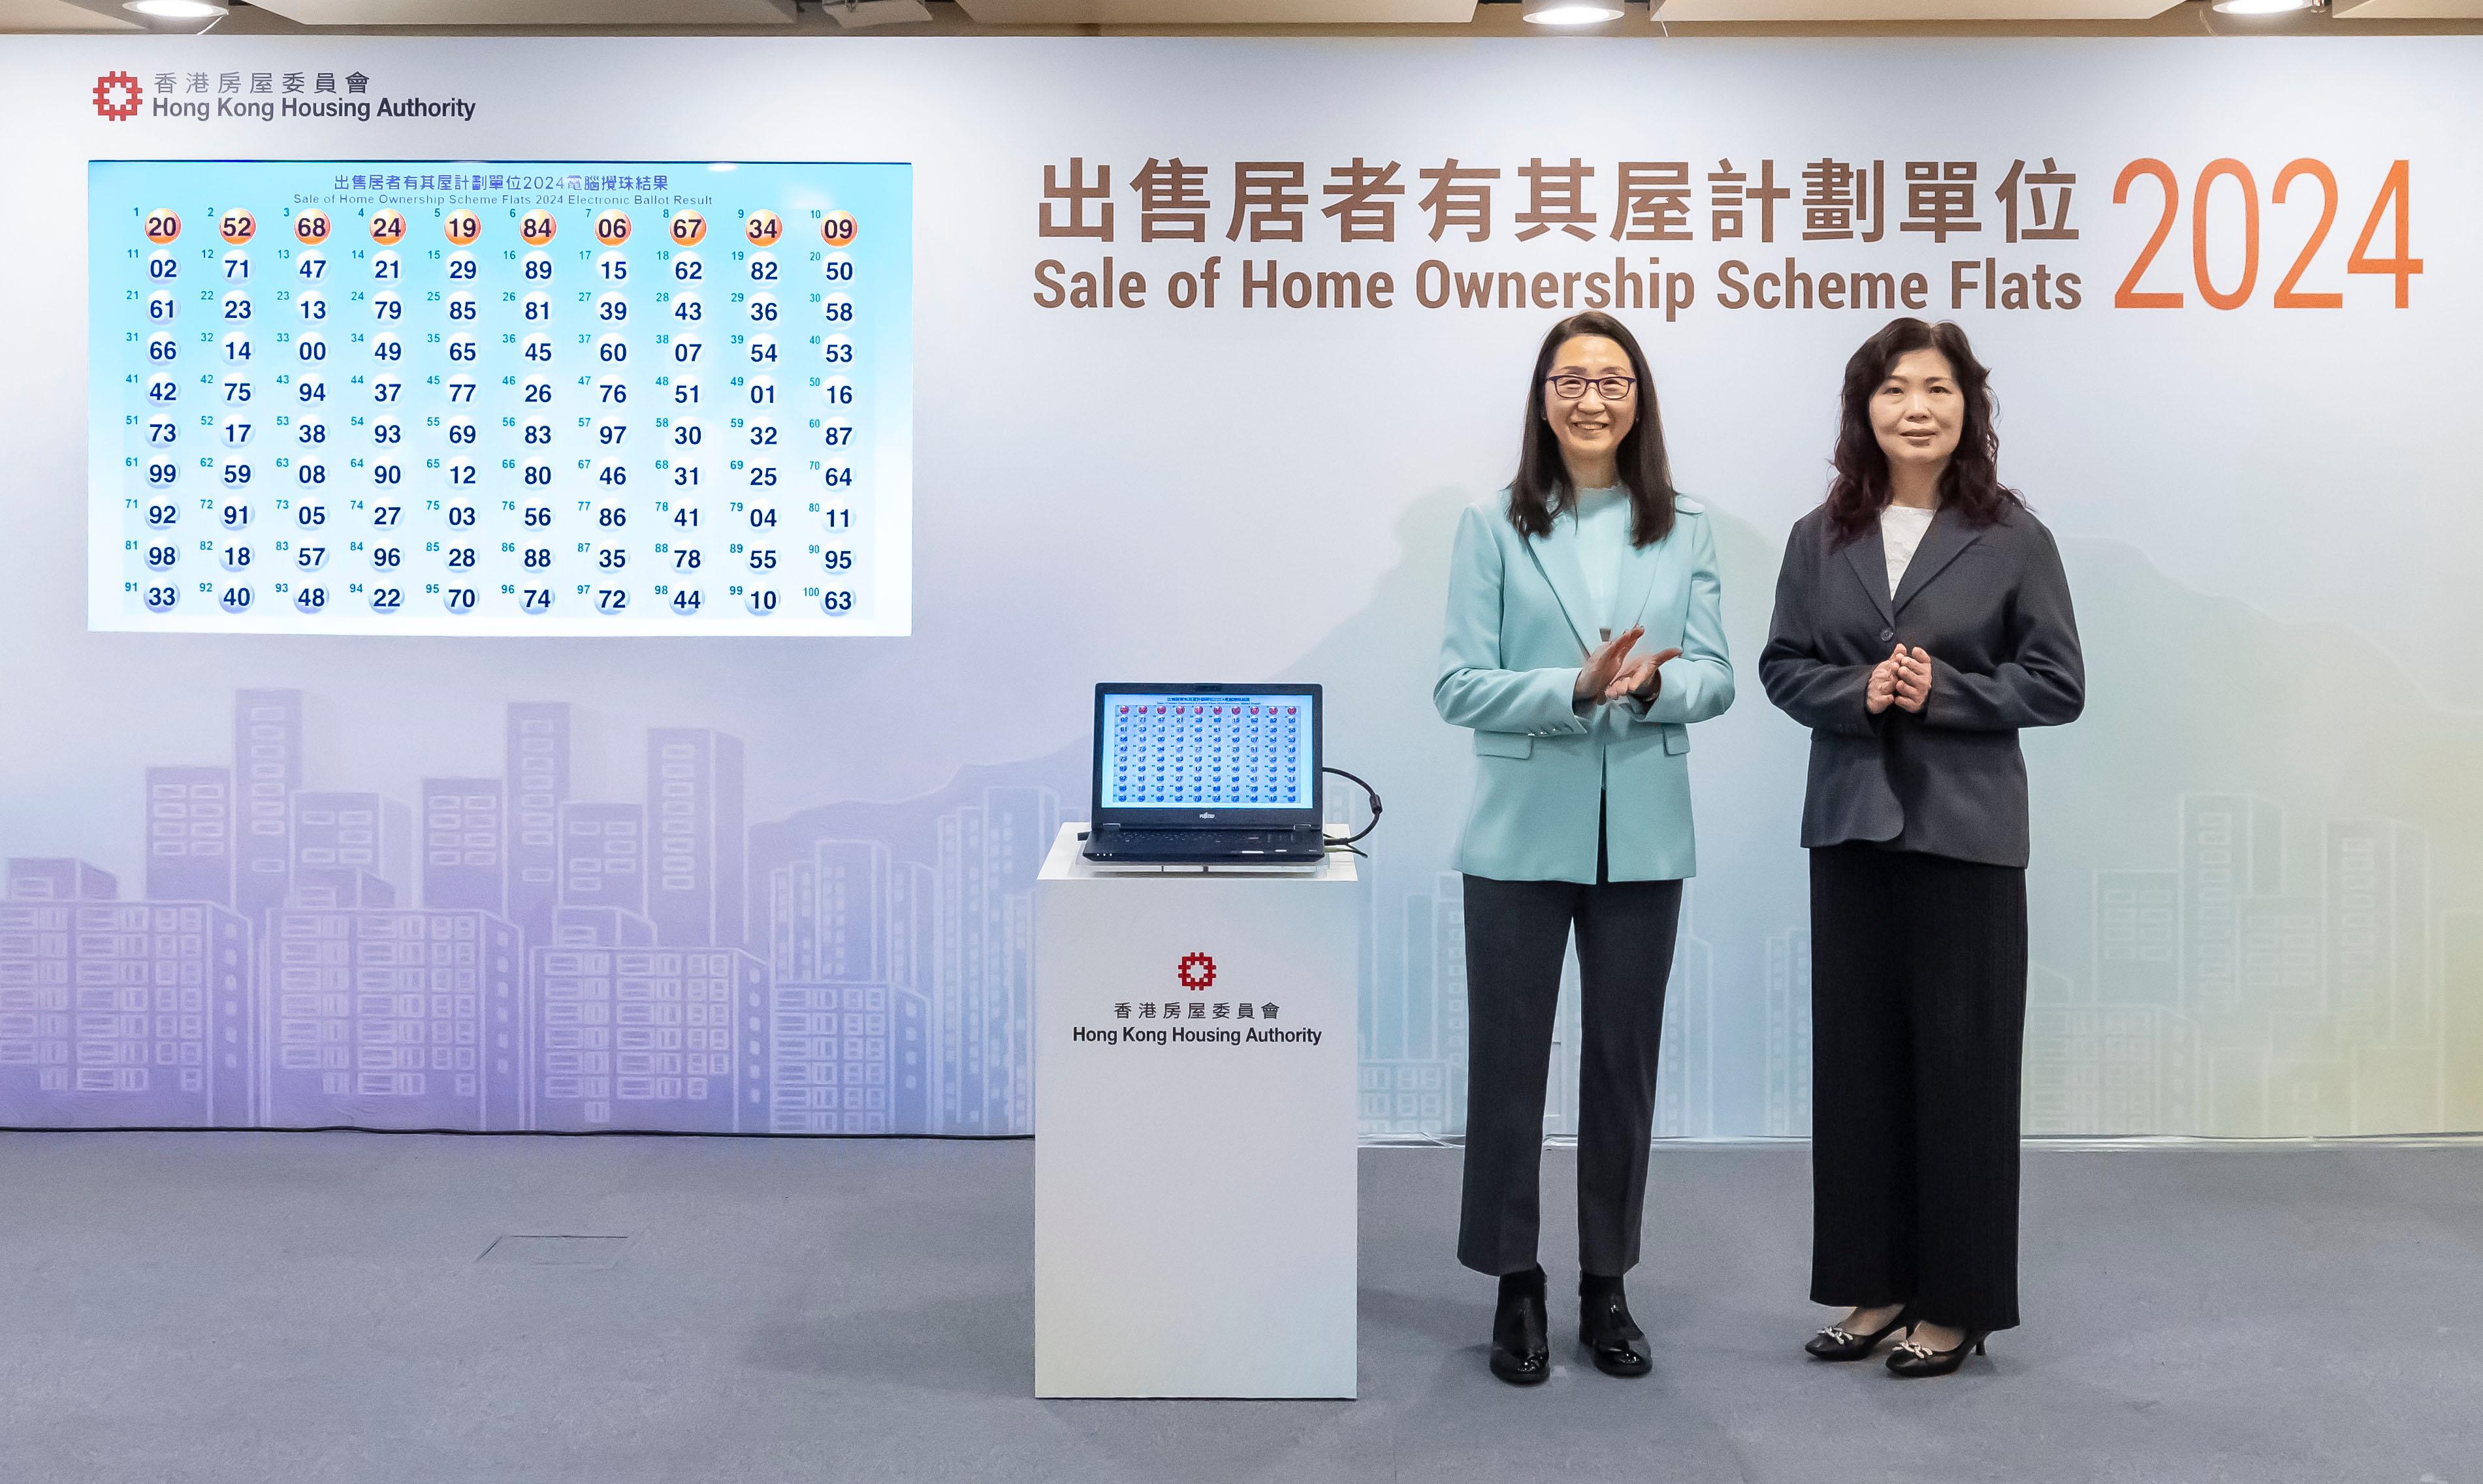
1912, 1361
1612, 1339
1521, 1346
1836, 1342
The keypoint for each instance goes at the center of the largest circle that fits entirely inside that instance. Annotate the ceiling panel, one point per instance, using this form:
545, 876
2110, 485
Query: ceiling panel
1913, 9
2410, 10
533, 12
41, 16
1217, 13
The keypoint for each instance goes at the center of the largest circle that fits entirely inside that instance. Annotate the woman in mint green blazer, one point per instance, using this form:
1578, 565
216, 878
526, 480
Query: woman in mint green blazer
1584, 635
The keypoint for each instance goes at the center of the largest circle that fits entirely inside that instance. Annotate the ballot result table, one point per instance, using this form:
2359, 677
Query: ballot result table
519, 397
1195, 1129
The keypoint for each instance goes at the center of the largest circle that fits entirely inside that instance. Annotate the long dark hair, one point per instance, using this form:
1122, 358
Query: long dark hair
1542, 489
1970, 484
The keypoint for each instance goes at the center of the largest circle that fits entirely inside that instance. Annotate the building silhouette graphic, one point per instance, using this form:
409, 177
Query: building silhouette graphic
119, 1014
502, 954
1788, 1033
536, 748
2227, 999
695, 863
392, 1018
267, 771
191, 815
465, 843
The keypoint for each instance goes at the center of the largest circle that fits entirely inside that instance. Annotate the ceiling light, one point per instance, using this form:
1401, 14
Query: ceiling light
178, 9
856, 14
1572, 12
2264, 7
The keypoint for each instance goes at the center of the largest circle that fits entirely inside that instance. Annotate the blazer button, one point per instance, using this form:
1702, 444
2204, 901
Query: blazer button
1887, 634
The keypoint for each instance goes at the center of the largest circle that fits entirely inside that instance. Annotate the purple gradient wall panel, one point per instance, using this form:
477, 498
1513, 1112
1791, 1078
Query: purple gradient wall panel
302, 985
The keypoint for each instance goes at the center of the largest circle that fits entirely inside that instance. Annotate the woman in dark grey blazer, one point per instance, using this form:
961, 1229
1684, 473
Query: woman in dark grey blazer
1922, 618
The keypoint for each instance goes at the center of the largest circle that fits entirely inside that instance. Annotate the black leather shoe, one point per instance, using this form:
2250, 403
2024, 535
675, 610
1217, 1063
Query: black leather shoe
1612, 1339
1912, 1361
1521, 1346
1836, 1342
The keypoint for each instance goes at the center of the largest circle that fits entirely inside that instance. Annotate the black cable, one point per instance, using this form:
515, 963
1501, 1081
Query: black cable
1374, 795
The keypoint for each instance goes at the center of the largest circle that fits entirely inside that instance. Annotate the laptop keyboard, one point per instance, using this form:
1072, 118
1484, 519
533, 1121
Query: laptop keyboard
1159, 842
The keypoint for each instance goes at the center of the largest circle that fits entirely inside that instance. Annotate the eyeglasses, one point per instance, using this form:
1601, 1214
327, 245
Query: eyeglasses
1612, 389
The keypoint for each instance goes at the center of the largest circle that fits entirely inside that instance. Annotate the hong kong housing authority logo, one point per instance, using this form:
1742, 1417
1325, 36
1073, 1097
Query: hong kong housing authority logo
117, 96
1196, 972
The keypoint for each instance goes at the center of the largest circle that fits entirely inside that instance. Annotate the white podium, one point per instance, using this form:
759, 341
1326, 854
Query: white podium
1194, 1190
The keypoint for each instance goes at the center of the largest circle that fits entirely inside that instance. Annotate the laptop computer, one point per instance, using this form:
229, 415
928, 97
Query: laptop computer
1207, 775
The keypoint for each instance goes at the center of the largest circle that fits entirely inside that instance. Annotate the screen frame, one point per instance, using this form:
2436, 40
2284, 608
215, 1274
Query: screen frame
1184, 816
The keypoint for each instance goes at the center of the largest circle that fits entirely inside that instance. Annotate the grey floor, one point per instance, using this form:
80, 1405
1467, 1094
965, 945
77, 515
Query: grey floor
241, 1308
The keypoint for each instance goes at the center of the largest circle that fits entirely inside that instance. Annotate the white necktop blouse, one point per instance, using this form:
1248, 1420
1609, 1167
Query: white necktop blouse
1603, 523
1901, 531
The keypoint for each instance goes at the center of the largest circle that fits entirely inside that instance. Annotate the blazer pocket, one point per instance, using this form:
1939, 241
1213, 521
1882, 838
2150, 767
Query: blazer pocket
1504, 744
1676, 737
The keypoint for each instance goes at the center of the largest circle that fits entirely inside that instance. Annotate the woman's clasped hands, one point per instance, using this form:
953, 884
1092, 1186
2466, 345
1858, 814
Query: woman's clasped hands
1610, 674
1903, 679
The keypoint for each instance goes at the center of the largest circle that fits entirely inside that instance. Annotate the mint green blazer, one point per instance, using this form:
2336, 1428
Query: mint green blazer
1518, 632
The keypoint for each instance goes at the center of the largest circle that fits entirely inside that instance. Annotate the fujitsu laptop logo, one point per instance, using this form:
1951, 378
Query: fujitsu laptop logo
117, 96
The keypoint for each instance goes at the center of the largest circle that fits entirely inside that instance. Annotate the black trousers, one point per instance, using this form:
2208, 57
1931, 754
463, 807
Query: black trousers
1918, 1023
1516, 934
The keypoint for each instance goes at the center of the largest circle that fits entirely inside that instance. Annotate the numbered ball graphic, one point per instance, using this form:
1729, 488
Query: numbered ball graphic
536, 227
237, 227
388, 226
840, 229
612, 227
162, 226
311, 227
462, 228
764, 229
689, 228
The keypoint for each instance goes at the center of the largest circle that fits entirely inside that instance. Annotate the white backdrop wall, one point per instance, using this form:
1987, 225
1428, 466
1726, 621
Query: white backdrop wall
2255, 890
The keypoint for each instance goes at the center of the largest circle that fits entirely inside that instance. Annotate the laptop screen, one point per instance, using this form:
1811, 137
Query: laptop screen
1239, 751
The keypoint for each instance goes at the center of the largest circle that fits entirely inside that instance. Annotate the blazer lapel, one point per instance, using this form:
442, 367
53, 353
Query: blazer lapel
1870, 562
1555, 557
1639, 569
1948, 535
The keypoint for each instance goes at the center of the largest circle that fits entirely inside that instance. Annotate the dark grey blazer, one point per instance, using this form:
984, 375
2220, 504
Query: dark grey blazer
1991, 605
